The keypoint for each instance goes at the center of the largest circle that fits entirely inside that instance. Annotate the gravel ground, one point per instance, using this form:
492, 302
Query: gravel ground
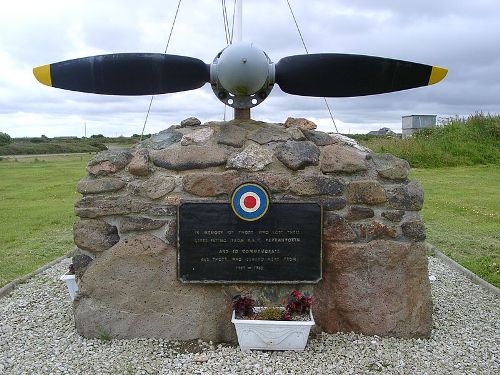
37, 336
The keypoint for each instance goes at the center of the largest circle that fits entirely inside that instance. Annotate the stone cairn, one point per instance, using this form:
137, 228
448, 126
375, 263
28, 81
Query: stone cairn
375, 277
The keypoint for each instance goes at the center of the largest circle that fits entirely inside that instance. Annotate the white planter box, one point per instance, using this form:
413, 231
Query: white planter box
71, 284
272, 334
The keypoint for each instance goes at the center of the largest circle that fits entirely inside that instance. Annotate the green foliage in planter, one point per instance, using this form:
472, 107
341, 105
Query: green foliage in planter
270, 313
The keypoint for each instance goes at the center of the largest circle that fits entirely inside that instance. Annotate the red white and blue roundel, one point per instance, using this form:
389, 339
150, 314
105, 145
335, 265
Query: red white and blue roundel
250, 201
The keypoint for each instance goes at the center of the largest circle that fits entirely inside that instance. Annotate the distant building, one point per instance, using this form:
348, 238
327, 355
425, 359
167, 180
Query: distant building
383, 132
412, 123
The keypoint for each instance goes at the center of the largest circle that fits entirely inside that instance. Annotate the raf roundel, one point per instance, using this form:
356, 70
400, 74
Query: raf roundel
250, 201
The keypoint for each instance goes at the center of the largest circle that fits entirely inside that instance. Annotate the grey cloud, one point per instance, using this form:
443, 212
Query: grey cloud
461, 36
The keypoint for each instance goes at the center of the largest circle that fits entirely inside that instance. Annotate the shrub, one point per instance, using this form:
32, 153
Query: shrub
458, 142
5, 139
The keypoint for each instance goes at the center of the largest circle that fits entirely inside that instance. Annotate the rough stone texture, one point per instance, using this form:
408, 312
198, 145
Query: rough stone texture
139, 166
141, 297
316, 185
190, 121
156, 186
391, 167
95, 235
414, 230
296, 134
269, 134
252, 158
171, 231
198, 137
157, 210
210, 184
394, 216
189, 157
298, 155
300, 123
252, 126
92, 207
319, 138
378, 288
80, 262
332, 203
137, 223
406, 197
367, 192
98, 206
336, 228
108, 162
275, 182
374, 231
359, 213
99, 185
232, 135
162, 140
336, 158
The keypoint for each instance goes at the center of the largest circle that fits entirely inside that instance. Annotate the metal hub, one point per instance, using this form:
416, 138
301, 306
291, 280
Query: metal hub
242, 76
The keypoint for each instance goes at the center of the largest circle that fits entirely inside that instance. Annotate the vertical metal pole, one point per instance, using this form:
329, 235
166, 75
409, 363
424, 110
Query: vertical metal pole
238, 21
239, 114
242, 114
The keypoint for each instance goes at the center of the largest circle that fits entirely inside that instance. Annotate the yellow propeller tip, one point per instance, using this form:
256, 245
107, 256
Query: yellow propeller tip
437, 74
42, 74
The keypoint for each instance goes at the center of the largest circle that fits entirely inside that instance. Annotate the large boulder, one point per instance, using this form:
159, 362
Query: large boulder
376, 288
132, 291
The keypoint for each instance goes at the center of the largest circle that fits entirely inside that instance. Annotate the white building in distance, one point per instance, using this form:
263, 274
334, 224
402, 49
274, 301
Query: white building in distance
412, 123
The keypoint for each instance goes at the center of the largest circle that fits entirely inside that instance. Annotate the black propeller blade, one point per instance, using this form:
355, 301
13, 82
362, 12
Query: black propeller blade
341, 75
126, 74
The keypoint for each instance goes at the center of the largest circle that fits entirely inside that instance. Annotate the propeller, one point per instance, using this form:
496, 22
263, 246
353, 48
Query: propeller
126, 74
241, 75
341, 75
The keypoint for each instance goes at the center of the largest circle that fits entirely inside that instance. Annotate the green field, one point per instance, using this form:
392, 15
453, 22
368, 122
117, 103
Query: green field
458, 142
36, 211
462, 215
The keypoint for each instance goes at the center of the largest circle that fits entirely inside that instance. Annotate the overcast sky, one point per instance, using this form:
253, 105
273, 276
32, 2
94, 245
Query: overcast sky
462, 36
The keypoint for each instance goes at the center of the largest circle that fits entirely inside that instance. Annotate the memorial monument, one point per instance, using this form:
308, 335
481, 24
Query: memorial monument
169, 252
173, 229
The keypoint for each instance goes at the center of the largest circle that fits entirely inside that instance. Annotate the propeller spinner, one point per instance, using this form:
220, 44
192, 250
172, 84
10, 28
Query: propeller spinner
241, 75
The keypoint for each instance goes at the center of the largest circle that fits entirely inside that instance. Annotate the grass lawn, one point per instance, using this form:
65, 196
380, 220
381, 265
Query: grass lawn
36, 211
462, 215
